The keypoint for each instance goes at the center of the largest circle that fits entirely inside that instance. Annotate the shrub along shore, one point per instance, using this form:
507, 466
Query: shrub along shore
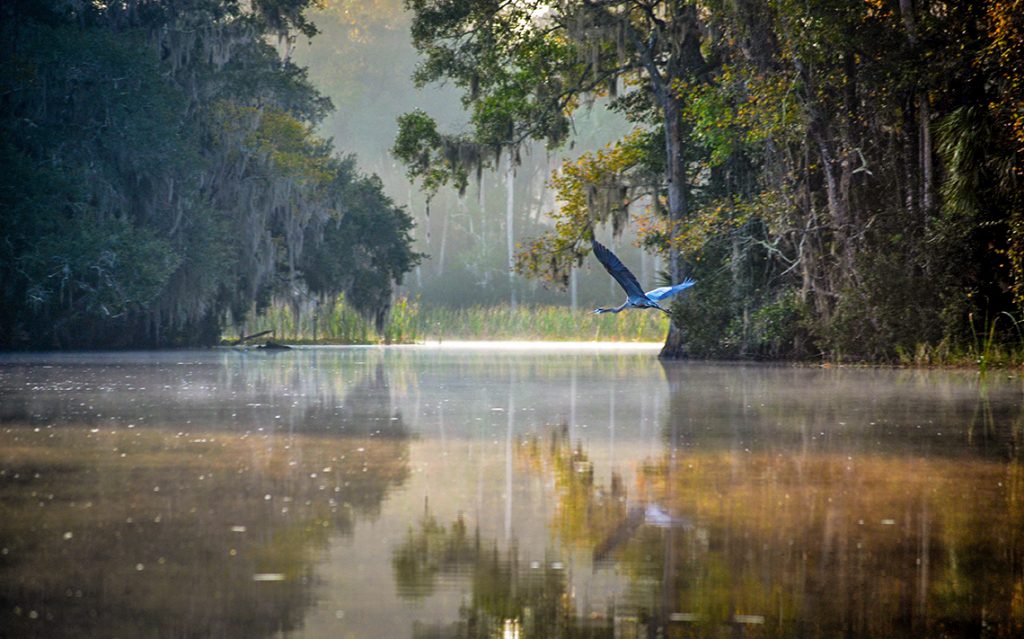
411, 322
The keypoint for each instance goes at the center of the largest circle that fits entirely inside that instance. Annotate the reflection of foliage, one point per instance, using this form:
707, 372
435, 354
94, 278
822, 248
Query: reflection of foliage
180, 523
842, 543
586, 514
506, 592
429, 551
812, 545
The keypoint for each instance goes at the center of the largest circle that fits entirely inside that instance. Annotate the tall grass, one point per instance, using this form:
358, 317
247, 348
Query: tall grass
996, 343
411, 322
540, 322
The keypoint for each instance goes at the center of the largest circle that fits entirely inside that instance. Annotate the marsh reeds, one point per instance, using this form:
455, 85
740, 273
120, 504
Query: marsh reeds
410, 322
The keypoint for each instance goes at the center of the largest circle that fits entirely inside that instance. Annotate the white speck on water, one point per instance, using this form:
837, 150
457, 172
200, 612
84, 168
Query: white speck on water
238, 529
557, 565
888, 522
139, 567
67, 535
268, 576
535, 565
267, 497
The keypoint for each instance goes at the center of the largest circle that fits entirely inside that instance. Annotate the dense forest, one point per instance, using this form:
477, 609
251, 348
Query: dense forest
162, 176
842, 178
465, 237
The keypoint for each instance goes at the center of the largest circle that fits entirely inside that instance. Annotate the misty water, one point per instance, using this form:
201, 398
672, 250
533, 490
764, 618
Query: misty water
516, 492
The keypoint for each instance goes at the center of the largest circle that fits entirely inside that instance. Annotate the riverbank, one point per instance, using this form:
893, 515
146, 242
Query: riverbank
410, 322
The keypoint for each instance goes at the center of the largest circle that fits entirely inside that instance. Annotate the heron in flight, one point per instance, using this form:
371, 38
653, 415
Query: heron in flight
635, 296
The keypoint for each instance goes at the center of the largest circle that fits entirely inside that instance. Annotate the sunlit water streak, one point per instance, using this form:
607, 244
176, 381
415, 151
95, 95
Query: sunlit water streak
472, 490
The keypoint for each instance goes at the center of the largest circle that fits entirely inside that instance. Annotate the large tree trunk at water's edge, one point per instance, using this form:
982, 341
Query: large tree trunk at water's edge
677, 205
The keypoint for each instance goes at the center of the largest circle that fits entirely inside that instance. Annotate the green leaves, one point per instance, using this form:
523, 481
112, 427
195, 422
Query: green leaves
419, 146
163, 170
517, 73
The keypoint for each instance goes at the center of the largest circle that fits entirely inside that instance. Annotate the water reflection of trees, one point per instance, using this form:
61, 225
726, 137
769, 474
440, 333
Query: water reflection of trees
508, 597
138, 532
862, 410
586, 513
827, 544
823, 537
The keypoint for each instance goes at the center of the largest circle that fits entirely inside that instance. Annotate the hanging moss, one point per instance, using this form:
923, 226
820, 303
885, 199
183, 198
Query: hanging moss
184, 183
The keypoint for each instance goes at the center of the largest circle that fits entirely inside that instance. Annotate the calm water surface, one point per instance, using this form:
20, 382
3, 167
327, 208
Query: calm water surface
436, 492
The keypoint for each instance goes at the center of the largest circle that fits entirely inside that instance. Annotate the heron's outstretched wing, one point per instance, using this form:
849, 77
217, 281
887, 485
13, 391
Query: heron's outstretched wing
668, 291
618, 270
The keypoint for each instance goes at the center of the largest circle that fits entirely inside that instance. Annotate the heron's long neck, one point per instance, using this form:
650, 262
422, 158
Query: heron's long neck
617, 309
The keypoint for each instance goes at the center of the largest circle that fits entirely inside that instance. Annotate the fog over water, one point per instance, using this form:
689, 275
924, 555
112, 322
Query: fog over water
482, 491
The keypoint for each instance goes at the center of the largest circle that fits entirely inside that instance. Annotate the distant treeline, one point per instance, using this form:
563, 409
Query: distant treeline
844, 179
160, 173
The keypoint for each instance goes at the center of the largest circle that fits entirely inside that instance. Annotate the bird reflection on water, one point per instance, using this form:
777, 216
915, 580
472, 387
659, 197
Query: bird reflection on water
609, 496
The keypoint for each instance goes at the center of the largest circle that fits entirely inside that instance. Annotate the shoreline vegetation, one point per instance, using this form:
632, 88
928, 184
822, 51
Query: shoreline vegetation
411, 322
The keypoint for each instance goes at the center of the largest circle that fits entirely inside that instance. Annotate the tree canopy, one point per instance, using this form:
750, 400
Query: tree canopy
842, 179
162, 174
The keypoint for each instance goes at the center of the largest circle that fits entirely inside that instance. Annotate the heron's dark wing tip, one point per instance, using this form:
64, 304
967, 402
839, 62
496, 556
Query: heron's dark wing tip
617, 269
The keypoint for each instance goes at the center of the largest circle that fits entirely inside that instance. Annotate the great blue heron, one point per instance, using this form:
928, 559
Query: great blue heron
635, 296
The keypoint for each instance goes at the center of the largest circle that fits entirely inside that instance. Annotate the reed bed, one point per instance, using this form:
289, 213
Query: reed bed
410, 322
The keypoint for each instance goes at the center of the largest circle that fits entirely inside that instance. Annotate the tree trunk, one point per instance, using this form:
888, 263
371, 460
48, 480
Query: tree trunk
415, 233
924, 119
677, 204
927, 167
444, 241
510, 201
573, 289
